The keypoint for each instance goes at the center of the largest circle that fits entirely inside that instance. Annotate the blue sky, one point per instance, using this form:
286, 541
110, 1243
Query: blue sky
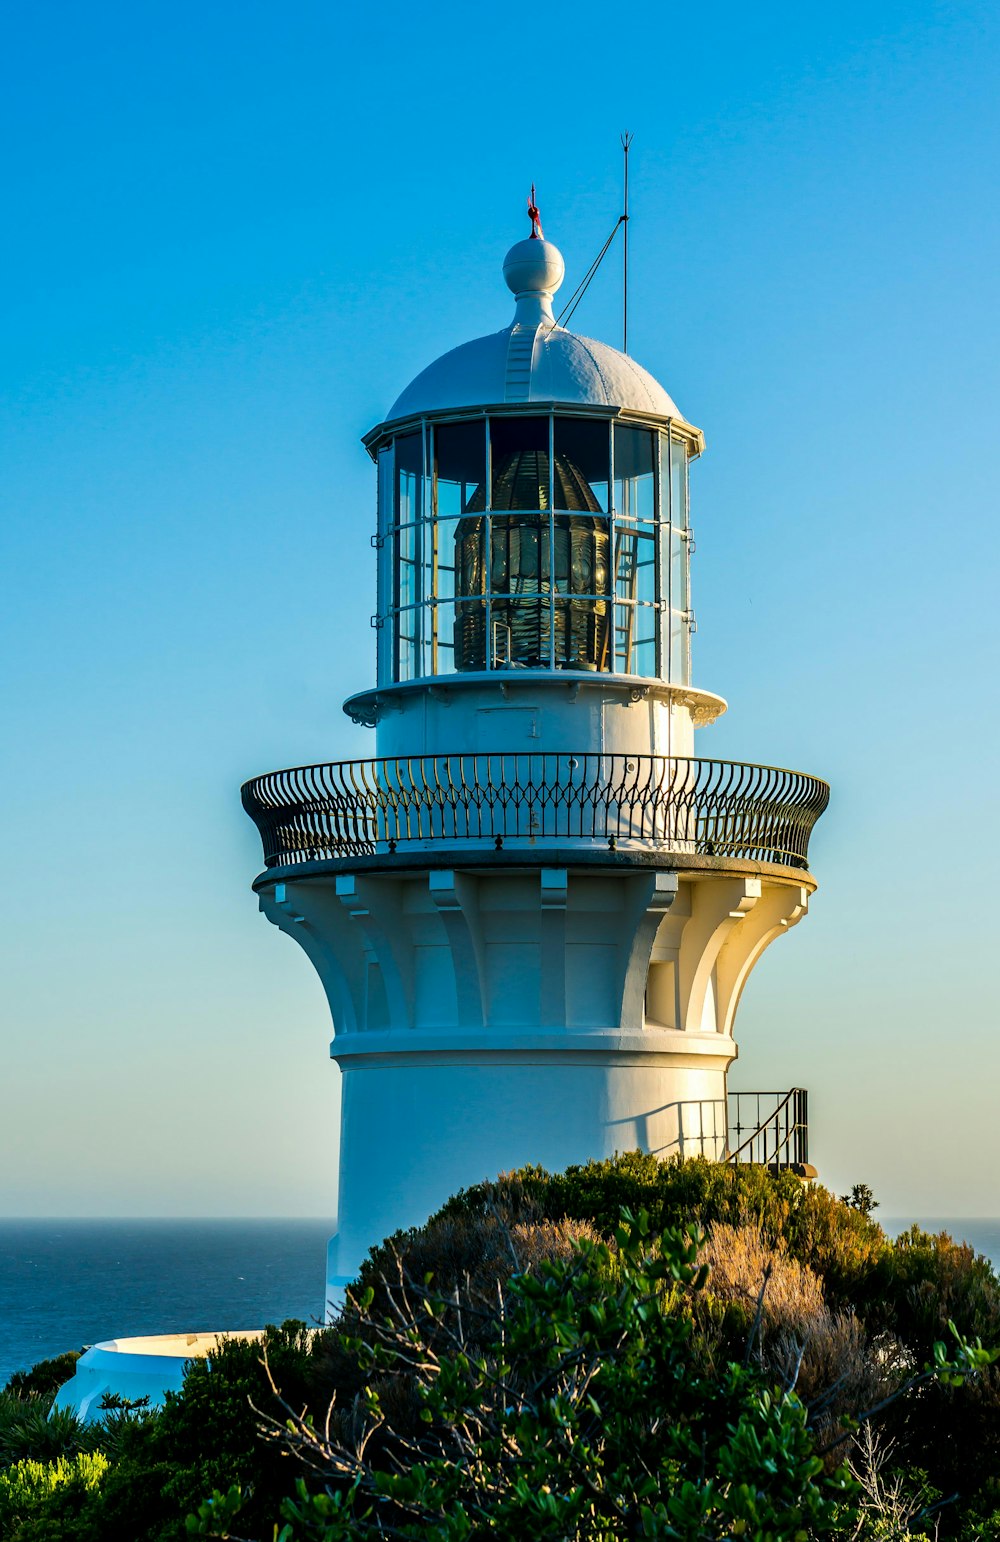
233, 233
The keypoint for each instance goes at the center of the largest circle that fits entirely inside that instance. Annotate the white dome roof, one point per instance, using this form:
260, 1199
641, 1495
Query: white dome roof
533, 360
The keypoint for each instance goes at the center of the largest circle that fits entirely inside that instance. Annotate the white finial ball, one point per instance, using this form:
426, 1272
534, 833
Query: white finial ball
534, 267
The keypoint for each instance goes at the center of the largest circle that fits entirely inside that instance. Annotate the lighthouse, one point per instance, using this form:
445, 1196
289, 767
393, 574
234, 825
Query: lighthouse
532, 905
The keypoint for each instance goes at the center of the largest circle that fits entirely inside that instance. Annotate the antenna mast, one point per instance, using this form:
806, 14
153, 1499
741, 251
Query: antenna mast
626, 140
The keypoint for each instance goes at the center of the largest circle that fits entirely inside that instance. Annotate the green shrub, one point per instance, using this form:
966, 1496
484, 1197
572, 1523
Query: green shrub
30, 1429
157, 1465
573, 1411
45, 1378
27, 1487
845, 1309
836, 1241
204, 1437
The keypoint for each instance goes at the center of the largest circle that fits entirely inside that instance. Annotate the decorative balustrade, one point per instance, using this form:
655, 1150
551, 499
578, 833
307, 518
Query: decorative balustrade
664, 803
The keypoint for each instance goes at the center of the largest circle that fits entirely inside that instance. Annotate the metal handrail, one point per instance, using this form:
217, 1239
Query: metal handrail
778, 1139
670, 803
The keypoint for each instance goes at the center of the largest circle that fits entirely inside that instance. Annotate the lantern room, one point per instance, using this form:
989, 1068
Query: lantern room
534, 540
533, 529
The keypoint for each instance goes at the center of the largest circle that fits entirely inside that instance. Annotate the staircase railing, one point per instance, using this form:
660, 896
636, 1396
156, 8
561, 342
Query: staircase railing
769, 1128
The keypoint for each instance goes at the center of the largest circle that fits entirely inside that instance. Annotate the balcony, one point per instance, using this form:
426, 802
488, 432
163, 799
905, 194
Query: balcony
631, 803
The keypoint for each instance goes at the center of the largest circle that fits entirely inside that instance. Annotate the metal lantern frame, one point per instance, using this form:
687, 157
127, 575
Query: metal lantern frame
419, 592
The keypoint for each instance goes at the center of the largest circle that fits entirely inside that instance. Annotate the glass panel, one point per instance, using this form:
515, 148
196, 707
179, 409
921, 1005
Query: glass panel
678, 483
470, 556
406, 565
678, 570
624, 621
425, 535
680, 631
447, 556
459, 467
385, 647
519, 453
635, 474
406, 644
521, 631
635, 562
583, 634
519, 555
680, 649
644, 653
580, 464
409, 477
582, 554
645, 567
470, 634
425, 647
385, 507
440, 627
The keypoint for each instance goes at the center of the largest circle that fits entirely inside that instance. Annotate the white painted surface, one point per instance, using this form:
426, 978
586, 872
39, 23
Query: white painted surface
563, 367
536, 710
488, 1016
149, 1367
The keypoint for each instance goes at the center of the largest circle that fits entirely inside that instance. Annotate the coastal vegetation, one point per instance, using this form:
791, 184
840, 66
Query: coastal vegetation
631, 1348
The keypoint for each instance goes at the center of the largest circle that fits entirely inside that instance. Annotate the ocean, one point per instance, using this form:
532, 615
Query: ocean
65, 1284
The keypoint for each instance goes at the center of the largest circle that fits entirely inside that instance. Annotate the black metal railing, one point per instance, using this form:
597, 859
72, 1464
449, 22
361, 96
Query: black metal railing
672, 803
769, 1128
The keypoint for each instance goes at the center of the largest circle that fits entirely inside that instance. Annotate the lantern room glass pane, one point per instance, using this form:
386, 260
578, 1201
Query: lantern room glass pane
386, 514
644, 651
386, 555
441, 629
581, 456
645, 568
459, 467
446, 557
519, 459
519, 555
582, 635
409, 477
678, 483
522, 629
680, 648
582, 554
406, 565
470, 634
405, 626
526, 544
680, 627
678, 570
635, 473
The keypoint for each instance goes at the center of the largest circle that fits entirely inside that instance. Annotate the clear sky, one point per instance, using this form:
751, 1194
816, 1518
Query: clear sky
233, 233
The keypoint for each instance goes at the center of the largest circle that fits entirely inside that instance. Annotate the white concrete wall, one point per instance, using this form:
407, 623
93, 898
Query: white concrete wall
416, 1130
149, 1367
488, 1018
537, 711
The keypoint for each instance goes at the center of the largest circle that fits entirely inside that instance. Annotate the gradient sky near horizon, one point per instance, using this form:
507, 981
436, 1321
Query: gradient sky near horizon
233, 233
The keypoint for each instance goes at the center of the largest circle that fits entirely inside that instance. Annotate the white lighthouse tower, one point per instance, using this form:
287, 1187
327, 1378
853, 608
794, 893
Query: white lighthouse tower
533, 910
